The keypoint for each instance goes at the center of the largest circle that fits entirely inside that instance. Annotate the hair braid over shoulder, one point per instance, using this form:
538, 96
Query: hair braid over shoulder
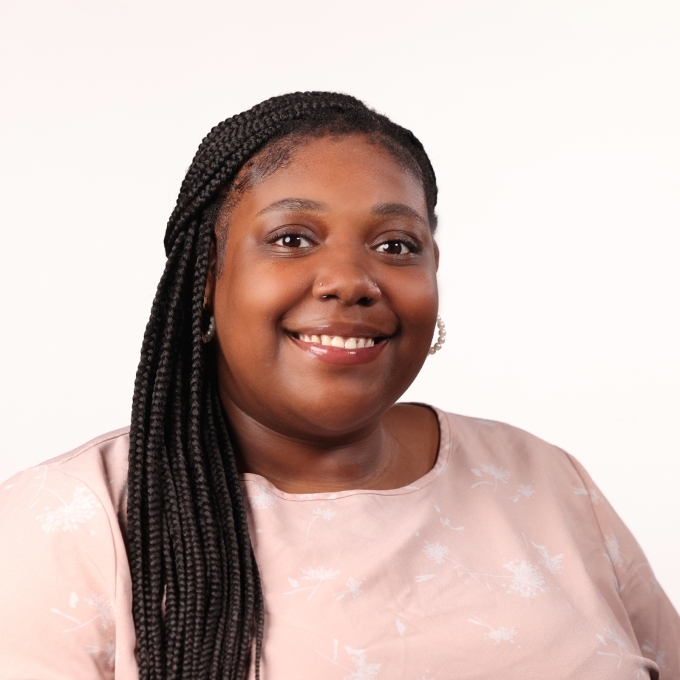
197, 602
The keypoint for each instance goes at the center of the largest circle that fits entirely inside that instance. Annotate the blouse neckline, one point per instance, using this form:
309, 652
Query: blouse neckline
440, 464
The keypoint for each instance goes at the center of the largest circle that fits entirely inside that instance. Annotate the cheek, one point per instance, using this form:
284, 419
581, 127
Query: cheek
417, 301
249, 306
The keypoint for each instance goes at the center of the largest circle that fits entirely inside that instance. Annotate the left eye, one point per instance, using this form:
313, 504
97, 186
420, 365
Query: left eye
394, 248
293, 241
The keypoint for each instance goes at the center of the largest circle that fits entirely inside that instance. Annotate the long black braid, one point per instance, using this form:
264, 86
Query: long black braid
197, 601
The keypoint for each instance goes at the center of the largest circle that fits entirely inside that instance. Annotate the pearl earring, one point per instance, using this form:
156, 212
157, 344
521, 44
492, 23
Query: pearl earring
441, 339
210, 333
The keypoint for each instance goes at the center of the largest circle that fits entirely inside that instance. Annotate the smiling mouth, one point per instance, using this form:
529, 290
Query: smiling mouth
339, 341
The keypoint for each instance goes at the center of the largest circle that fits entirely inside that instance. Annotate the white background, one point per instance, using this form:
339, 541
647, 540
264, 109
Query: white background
553, 127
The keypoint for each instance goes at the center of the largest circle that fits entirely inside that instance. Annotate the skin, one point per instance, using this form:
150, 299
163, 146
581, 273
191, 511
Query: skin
337, 240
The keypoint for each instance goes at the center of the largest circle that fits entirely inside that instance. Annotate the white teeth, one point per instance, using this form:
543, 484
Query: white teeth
338, 341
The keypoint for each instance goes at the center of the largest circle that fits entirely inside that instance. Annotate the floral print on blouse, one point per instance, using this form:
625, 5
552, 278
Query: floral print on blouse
504, 560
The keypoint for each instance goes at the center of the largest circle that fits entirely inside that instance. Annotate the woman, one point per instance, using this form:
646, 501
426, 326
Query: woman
272, 511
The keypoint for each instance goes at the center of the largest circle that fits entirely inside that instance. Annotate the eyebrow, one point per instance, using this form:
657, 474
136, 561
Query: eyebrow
398, 210
305, 204
295, 204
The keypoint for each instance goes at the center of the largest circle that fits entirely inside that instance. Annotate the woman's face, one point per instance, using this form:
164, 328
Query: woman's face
336, 243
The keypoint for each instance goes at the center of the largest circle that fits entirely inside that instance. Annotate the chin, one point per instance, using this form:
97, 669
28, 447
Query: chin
336, 414
339, 416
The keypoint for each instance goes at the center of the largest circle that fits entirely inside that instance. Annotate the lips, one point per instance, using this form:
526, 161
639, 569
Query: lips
352, 342
341, 344
342, 335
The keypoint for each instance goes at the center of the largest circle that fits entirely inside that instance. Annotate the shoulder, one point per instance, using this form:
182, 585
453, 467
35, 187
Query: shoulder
63, 564
529, 479
486, 451
107, 452
92, 475
54, 514
493, 442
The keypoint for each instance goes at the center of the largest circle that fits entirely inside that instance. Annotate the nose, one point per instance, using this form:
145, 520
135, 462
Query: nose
348, 282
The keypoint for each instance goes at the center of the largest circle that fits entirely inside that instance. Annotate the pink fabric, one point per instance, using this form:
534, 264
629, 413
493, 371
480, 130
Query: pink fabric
503, 561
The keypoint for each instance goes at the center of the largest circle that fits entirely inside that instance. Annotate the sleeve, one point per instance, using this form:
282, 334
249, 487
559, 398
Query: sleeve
57, 580
653, 618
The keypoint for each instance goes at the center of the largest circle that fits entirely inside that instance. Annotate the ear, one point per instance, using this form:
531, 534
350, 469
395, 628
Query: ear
436, 255
210, 279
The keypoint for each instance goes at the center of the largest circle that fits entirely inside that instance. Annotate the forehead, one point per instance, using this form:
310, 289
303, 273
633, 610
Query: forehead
353, 165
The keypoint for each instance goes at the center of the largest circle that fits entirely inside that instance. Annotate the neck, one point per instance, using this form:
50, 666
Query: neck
379, 455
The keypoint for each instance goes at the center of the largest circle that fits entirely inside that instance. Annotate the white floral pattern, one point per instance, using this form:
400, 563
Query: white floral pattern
352, 587
592, 494
497, 474
614, 550
424, 577
655, 654
615, 645
440, 466
497, 635
362, 669
107, 654
553, 563
523, 491
356, 657
71, 515
318, 574
104, 612
323, 513
260, 498
526, 580
446, 522
436, 552
440, 553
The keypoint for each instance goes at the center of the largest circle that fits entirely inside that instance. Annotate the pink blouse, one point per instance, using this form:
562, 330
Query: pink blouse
504, 561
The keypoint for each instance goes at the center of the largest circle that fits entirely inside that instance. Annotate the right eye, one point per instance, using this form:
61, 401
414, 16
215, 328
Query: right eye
293, 241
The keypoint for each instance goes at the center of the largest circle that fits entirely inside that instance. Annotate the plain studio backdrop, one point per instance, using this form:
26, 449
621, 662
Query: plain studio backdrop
553, 128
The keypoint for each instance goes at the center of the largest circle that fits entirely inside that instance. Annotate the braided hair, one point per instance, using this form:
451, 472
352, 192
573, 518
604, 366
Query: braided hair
198, 606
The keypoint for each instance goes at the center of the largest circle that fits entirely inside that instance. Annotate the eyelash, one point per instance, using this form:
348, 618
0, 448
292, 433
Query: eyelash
302, 238
281, 234
412, 246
